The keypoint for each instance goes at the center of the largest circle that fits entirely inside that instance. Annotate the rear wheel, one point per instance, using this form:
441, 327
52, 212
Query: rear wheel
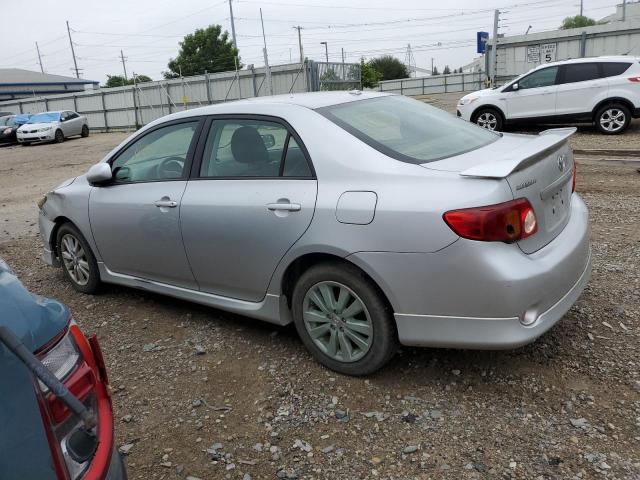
59, 136
343, 320
613, 119
85, 131
488, 118
78, 262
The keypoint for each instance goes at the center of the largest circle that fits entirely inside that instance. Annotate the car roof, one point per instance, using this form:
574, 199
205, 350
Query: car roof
604, 59
311, 100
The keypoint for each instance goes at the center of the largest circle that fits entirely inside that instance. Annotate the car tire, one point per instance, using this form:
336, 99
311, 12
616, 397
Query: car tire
613, 119
59, 136
357, 345
78, 262
85, 131
489, 118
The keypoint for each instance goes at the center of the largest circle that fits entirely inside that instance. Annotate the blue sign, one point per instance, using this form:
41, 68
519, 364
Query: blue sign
482, 39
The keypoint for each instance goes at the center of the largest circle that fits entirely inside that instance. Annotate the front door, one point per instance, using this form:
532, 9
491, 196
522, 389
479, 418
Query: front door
535, 96
135, 220
254, 196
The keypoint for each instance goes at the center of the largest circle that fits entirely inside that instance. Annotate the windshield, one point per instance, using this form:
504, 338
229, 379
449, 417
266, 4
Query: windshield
4, 121
47, 117
408, 130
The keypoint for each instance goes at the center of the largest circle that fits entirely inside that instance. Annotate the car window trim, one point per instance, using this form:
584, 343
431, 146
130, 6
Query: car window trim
198, 158
190, 152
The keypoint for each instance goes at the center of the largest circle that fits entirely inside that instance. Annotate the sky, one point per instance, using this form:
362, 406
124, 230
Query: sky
149, 31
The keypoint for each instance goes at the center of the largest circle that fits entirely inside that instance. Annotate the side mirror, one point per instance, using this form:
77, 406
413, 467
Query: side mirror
269, 140
99, 173
515, 86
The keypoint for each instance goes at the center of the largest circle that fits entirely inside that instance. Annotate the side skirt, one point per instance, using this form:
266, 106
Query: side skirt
267, 310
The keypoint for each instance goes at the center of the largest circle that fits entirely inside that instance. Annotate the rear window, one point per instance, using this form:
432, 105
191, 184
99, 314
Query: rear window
580, 72
611, 69
408, 130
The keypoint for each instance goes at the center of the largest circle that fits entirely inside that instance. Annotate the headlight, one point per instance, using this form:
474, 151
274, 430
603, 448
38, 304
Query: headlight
42, 201
7, 131
44, 129
466, 101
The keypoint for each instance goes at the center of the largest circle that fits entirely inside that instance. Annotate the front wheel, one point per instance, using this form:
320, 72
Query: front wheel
343, 319
59, 136
85, 131
78, 262
613, 119
488, 118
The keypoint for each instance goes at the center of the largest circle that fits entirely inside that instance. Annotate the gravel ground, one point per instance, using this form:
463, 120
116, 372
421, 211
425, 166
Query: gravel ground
207, 394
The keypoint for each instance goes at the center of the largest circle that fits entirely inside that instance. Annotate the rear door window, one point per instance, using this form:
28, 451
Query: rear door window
611, 69
580, 72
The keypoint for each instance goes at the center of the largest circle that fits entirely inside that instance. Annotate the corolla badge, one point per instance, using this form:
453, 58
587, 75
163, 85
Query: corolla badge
562, 162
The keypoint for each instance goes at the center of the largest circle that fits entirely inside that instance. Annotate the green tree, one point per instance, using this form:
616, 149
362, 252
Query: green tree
120, 81
578, 21
435, 71
205, 50
369, 76
389, 68
446, 70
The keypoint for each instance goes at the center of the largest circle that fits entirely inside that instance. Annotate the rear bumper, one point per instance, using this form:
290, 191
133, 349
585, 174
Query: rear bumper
117, 470
485, 333
484, 294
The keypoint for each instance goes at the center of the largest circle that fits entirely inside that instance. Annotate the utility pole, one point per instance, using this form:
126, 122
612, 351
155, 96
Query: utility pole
39, 58
581, 2
300, 43
266, 57
431, 65
494, 48
342, 51
75, 63
124, 66
624, 10
233, 26
326, 50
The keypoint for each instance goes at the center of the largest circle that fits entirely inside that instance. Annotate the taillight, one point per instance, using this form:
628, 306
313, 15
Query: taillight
79, 365
574, 175
634, 79
504, 222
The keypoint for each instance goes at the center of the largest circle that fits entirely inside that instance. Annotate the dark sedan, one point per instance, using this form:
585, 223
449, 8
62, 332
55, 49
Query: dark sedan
9, 125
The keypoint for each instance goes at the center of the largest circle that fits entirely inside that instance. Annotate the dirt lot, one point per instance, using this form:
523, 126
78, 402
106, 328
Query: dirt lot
199, 392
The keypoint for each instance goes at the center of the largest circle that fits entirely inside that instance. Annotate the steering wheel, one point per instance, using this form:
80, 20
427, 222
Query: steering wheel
171, 167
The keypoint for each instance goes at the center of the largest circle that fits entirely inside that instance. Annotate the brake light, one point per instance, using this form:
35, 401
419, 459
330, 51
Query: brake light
574, 175
504, 222
634, 79
79, 365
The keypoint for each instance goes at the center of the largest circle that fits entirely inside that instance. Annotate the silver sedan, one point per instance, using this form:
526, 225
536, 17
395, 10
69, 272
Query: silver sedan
367, 220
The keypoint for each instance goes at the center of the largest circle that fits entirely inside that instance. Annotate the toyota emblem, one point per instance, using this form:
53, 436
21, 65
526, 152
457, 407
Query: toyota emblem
561, 162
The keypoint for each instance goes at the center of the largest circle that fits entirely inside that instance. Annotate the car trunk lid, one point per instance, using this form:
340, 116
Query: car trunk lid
538, 168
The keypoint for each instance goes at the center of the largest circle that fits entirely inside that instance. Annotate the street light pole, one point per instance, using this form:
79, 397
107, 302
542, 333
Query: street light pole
326, 50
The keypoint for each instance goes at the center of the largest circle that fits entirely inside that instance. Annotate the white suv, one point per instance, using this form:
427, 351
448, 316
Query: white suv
600, 90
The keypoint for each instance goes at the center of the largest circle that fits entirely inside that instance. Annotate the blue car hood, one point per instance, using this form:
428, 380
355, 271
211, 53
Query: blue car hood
34, 319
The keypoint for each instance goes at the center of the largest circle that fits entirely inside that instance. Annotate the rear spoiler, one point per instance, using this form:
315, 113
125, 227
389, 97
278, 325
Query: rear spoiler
538, 146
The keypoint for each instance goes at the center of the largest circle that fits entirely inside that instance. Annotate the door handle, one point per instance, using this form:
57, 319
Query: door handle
165, 203
289, 207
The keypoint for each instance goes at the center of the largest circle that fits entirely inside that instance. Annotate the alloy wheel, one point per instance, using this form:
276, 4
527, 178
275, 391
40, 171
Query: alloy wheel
337, 321
487, 120
75, 259
612, 119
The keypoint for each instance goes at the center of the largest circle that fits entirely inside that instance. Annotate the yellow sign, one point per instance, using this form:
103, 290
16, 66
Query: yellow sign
185, 99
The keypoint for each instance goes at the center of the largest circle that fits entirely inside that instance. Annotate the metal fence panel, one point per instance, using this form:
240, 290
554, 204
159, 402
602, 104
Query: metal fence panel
456, 82
131, 106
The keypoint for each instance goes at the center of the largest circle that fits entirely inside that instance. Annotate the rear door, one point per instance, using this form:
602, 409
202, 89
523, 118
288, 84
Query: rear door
251, 196
535, 96
581, 86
